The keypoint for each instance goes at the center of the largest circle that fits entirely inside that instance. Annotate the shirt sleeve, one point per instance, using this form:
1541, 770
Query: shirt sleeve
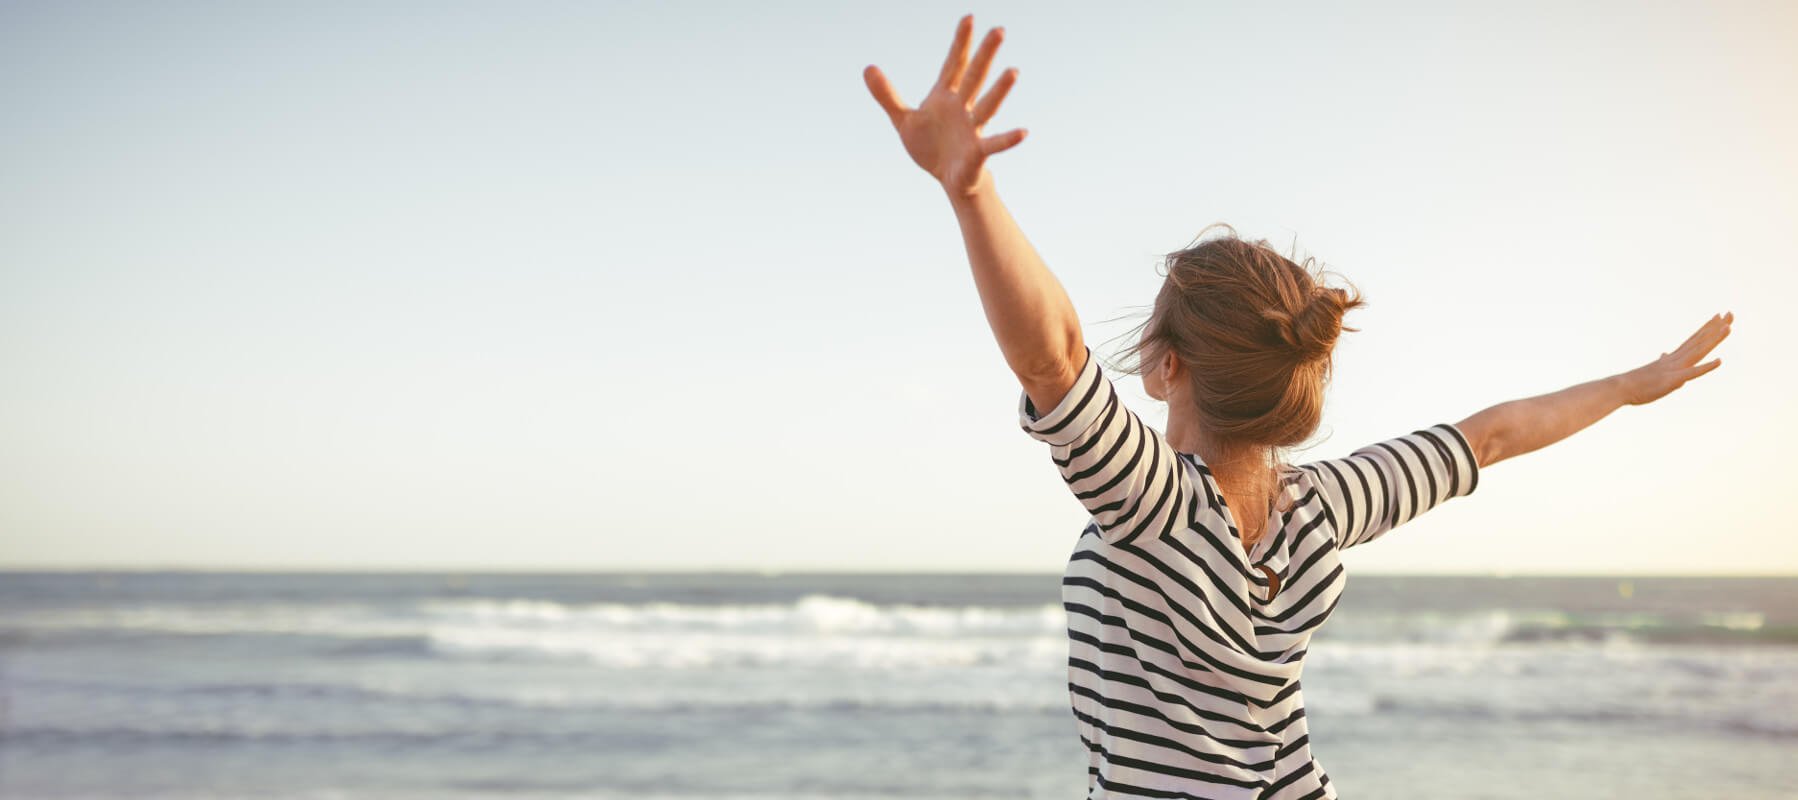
1123, 471
1384, 485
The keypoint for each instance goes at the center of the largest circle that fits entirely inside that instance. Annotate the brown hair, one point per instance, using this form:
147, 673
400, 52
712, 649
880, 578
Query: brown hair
1254, 330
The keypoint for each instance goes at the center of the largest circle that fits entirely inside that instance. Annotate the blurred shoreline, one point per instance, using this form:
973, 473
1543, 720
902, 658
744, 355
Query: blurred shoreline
425, 684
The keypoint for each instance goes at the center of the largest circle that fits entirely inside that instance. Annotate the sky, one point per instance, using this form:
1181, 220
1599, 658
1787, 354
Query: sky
654, 286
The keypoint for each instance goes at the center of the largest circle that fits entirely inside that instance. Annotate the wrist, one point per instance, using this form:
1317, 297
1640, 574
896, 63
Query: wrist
965, 197
1623, 388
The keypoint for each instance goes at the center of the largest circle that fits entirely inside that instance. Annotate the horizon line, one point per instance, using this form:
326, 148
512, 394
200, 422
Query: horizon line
775, 572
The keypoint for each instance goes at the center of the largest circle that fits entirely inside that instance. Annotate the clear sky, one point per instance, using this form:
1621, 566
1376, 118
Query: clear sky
647, 285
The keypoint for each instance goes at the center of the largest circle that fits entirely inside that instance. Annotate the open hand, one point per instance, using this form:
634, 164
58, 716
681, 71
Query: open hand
943, 134
1654, 380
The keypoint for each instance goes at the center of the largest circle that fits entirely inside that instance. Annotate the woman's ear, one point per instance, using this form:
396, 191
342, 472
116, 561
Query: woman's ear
1166, 372
1154, 380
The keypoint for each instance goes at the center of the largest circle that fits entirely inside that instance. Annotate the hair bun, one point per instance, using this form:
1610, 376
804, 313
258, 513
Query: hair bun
1311, 333
1320, 323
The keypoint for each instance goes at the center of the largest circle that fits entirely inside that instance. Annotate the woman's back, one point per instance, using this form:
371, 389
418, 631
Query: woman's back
1183, 671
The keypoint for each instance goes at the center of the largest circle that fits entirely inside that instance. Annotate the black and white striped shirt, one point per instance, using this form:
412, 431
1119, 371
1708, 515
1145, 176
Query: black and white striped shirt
1183, 674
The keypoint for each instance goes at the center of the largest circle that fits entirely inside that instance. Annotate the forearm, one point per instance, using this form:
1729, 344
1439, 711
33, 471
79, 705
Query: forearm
1520, 426
1027, 308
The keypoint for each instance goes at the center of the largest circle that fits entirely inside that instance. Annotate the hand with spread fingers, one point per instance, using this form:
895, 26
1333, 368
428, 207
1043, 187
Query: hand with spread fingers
943, 134
1657, 378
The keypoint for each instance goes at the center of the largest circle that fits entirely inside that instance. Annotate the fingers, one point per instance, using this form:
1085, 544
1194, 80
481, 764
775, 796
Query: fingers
1703, 340
1001, 141
989, 105
884, 93
1695, 334
1719, 335
1692, 372
1706, 339
983, 59
957, 62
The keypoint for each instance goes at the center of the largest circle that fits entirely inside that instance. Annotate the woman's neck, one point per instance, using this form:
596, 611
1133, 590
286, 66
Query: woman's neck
1250, 462
1247, 474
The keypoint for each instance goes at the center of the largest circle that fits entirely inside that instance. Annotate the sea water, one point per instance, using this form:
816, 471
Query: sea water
209, 685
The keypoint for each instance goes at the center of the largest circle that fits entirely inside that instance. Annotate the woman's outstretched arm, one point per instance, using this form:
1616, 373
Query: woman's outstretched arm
1520, 426
1027, 308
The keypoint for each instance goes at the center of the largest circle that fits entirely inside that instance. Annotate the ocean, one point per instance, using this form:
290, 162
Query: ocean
215, 685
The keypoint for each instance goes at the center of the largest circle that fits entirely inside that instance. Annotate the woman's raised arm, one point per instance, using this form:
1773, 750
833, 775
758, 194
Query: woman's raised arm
1029, 312
1519, 426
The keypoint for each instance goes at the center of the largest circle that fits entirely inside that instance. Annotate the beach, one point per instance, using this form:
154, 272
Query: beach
746, 685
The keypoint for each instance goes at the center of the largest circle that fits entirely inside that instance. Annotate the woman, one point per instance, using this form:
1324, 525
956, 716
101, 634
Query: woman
1207, 564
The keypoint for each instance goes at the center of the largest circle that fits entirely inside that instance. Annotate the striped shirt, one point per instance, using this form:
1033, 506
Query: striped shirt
1182, 672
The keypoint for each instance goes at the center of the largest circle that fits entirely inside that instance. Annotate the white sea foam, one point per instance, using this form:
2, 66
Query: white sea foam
815, 613
1736, 620
820, 630
815, 630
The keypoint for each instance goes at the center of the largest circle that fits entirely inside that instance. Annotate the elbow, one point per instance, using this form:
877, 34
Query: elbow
1489, 450
1487, 437
1054, 365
